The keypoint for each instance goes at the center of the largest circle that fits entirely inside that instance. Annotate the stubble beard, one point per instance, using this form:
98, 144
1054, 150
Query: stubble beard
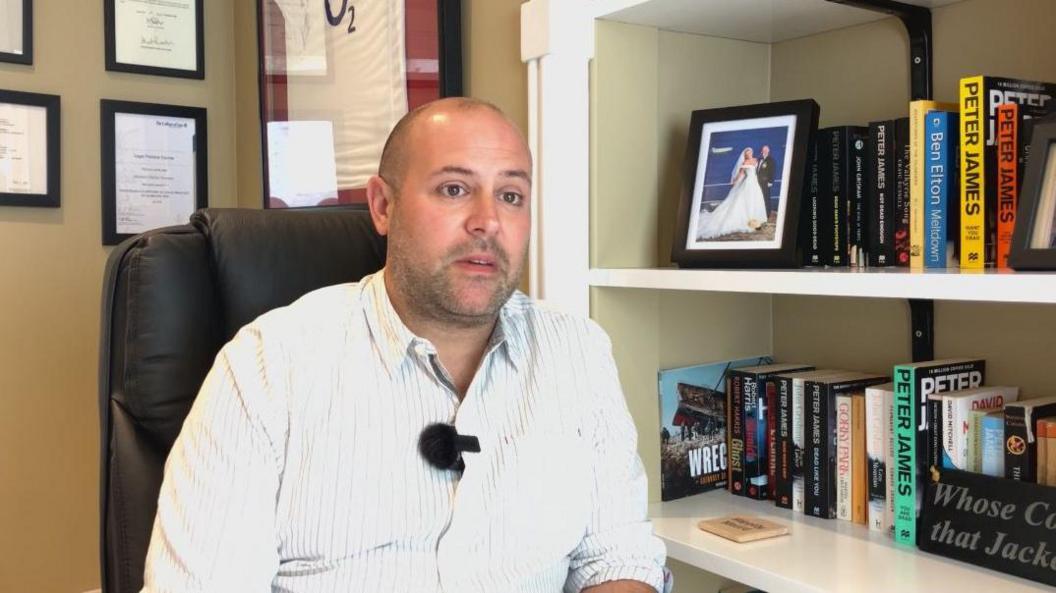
434, 292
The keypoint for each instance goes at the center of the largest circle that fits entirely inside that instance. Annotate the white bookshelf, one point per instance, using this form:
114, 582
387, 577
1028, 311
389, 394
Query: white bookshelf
611, 84
764, 21
900, 283
818, 556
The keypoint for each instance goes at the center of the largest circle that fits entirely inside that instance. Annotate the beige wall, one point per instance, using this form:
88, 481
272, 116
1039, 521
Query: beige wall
51, 270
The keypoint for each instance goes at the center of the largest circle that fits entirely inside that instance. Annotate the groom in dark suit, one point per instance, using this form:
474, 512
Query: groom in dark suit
764, 172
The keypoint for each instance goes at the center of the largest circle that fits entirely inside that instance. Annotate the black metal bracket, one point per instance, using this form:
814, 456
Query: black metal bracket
922, 328
917, 21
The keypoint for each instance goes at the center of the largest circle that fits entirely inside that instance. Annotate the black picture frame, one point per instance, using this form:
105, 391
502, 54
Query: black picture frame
52, 105
26, 57
108, 156
774, 243
113, 65
450, 83
1037, 204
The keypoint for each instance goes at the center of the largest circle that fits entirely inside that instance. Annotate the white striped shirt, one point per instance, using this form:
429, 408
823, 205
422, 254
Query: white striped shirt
297, 469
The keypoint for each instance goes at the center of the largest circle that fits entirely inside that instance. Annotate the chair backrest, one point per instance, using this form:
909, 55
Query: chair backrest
171, 299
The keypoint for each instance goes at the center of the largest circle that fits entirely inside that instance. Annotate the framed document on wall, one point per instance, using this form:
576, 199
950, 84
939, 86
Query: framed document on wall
163, 38
154, 162
335, 77
16, 31
29, 149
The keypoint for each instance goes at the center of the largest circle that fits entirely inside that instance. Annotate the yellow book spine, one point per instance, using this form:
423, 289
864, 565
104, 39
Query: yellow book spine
918, 110
973, 169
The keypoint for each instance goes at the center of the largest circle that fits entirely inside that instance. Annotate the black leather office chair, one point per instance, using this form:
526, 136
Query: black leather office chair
171, 298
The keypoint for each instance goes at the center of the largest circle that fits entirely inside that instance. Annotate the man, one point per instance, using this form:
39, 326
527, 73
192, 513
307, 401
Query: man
297, 468
764, 172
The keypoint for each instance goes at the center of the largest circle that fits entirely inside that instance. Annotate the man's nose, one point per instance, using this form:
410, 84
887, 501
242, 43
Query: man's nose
484, 215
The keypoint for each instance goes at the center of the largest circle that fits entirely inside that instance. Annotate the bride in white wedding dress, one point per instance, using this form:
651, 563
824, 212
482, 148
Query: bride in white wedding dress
743, 210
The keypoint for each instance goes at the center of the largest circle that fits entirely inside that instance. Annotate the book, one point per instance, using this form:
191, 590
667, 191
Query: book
771, 437
941, 207
975, 438
753, 387
844, 436
918, 111
956, 421
878, 402
992, 444
820, 429
811, 216
858, 188
880, 199
859, 479
1006, 130
794, 383
1051, 453
694, 450
914, 382
980, 97
1021, 447
1043, 450
901, 194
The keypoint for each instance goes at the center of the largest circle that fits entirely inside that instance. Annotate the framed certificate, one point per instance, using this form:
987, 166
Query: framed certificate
160, 37
16, 31
29, 149
335, 77
154, 166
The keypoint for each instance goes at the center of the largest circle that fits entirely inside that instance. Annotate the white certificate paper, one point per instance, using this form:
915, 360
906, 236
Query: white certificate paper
11, 26
158, 33
23, 149
304, 31
302, 170
154, 171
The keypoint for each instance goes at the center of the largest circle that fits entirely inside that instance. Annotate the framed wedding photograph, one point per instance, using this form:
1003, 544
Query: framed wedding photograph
16, 31
30, 150
1034, 234
334, 80
154, 166
742, 185
158, 38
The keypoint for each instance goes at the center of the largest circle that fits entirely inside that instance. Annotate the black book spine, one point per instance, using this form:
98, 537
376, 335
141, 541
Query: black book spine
1021, 443
901, 218
811, 215
736, 445
881, 206
751, 442
828, 162
935, 432
840, 197
817, 479
783, 446
858, 184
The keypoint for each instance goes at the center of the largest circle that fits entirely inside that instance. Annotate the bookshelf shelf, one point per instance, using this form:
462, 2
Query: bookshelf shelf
819, 555
900, 283
763, 21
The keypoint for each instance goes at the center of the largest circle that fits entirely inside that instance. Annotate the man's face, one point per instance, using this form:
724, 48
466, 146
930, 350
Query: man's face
458, 226
764, 151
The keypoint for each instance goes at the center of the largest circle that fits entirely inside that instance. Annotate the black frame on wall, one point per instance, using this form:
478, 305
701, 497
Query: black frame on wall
111, 47
26, 57
52, 105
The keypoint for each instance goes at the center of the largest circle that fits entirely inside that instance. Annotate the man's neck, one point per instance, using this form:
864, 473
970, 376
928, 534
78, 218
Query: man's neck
460, 347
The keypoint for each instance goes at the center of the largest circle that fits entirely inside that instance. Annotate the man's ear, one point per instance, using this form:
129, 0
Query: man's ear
380, 200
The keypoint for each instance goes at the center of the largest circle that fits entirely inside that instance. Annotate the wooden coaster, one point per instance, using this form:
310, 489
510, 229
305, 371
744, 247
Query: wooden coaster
743, 528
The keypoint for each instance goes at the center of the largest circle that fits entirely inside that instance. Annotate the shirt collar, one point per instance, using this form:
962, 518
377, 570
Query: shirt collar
395, 340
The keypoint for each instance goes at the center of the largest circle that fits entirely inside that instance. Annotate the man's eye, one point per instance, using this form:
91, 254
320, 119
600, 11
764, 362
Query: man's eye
513, 198
452, 190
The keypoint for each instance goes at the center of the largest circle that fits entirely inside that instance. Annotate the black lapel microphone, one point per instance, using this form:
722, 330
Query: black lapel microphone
442, 446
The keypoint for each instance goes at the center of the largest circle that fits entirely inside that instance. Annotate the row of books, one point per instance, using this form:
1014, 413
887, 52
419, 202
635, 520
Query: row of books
841, 444
893, 193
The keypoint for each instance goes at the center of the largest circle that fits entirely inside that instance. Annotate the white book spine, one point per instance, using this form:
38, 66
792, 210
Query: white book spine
957, 408
844, 436
797, 444
876, 456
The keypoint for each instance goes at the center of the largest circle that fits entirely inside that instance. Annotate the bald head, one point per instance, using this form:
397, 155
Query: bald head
398, 147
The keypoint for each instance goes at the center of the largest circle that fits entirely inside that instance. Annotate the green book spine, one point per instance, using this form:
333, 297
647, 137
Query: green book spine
905, 439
